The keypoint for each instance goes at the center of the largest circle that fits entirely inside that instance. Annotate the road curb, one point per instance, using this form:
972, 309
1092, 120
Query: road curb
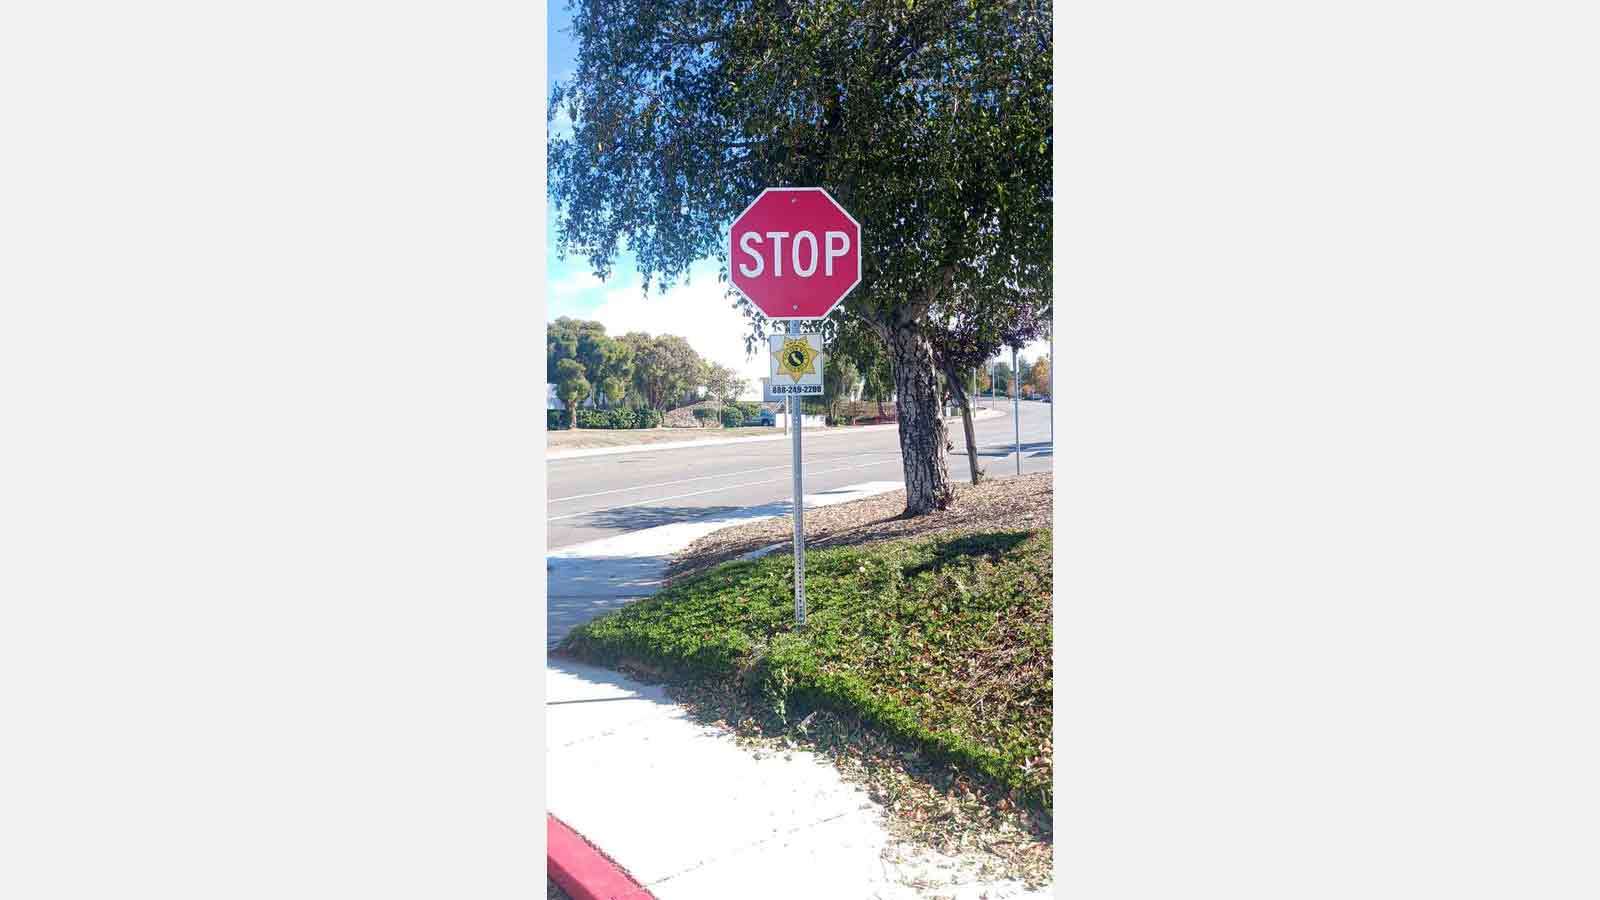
713, 442
583, 872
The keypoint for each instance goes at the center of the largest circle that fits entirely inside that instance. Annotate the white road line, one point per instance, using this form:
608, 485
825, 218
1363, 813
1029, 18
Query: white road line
641, 487
726, 487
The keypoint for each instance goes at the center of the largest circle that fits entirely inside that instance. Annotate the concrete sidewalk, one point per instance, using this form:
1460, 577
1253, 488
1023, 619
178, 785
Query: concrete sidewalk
679, 805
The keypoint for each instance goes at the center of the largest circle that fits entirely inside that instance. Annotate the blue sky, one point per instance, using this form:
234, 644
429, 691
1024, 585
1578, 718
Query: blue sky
696, 310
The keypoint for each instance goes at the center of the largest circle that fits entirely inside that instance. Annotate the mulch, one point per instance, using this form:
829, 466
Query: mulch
1018, 503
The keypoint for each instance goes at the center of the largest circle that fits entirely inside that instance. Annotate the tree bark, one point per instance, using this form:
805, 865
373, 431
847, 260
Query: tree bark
958, 390
921, 428
972, 439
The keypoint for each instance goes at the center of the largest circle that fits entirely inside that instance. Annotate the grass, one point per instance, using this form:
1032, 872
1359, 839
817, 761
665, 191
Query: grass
941, 644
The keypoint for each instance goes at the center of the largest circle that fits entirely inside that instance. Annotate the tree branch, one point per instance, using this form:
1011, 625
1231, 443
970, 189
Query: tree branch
917, 308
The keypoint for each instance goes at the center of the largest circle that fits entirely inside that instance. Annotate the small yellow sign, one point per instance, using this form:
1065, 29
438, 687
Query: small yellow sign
796, 358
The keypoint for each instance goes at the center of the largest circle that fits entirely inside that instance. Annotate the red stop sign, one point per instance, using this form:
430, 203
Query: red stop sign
795, 253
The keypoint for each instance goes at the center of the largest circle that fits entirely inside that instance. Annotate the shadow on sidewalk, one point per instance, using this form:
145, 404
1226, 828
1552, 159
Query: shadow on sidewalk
567, 613
581, 588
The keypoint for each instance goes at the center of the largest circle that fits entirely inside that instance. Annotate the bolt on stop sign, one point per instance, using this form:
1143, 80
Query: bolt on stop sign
795, 253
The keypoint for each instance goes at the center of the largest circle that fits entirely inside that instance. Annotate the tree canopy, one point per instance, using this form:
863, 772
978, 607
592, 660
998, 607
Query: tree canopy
1038, 378
1002, 377
966, 334
722, 383
607, 364
636, 368
572, 387
665, 368
930, 122
839, 380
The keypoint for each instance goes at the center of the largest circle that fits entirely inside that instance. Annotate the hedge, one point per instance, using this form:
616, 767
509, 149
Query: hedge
748, 409
622, 417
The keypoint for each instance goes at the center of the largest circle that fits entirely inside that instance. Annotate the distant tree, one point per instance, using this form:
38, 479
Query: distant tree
722, 383
639, 345
572, 387
1038, 378
839, 381
560, 342
607, 363
850, 340
615, 388
877, 383
1002, 378
664, 368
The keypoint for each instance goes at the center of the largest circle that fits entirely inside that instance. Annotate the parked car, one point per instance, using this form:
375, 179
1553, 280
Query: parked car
764, 417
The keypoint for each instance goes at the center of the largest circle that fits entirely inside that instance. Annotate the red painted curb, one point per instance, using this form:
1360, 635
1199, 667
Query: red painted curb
583, 872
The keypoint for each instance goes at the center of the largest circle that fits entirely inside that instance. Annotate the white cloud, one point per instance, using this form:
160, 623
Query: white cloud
698, 312
576, 283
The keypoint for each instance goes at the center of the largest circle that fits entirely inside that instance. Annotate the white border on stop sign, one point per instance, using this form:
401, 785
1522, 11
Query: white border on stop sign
861, 238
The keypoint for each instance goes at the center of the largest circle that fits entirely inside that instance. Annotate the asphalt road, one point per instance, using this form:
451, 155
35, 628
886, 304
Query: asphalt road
599, 496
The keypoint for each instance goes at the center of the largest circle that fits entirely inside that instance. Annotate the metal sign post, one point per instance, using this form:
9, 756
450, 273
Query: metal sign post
797, 364
799, 506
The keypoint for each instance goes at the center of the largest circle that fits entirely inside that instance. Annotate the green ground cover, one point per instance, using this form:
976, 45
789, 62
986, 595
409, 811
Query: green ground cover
943, 643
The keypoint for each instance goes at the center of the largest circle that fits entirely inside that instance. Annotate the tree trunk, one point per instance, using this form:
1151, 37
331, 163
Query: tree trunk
922, 432
964, 399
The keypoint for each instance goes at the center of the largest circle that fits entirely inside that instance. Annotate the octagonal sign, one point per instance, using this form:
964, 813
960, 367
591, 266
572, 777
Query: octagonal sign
795, 253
